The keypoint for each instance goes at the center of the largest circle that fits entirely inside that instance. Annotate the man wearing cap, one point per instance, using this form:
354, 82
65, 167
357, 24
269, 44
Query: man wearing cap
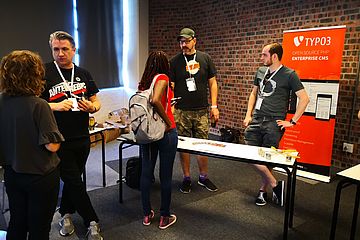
192, 73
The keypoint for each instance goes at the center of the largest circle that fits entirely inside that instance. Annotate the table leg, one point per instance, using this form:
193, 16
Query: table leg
287, 203
292, 201
84, 176
336, 208
120, 173
103, 157
355, 213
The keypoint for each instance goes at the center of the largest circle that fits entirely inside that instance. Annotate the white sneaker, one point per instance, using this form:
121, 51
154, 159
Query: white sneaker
67, 226
94, 232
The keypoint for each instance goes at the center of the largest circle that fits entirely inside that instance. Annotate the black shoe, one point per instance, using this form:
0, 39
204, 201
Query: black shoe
278, 193
261, 198
185, 186
208, 185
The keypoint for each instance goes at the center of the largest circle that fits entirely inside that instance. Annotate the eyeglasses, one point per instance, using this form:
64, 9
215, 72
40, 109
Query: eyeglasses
187, 41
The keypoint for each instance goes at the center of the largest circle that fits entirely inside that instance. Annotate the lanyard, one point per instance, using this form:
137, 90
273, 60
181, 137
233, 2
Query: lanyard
263, 82
67, 87
187, 63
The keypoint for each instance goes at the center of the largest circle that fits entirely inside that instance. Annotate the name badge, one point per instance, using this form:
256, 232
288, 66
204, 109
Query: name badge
190, 83
258, 103
75, 104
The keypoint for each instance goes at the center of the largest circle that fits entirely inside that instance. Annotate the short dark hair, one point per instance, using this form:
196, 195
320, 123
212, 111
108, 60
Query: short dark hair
61, 35
276, 48
22, 74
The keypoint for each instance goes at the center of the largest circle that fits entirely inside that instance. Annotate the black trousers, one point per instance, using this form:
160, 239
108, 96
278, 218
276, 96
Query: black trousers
32, 202
73, 155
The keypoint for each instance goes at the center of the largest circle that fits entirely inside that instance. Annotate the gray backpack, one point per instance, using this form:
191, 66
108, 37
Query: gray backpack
145, 122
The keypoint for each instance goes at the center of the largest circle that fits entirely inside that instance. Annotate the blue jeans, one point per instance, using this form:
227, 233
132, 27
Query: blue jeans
166, 147
263, 132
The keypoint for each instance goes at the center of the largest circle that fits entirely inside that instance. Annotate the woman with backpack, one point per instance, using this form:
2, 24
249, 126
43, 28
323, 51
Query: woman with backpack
157, 67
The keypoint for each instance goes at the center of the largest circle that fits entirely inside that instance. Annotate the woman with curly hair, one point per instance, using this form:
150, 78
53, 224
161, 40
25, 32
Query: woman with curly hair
29, 140
157, 65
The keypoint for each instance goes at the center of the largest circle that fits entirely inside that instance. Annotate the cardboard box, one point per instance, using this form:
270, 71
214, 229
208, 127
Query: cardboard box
111, 134
95, 139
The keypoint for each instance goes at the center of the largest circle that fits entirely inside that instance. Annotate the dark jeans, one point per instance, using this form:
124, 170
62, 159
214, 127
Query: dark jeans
32, 202
166, 147
263, 132
73, 155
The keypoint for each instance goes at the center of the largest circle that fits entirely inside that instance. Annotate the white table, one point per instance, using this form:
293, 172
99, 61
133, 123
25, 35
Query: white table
233, 152
248, 154
350, 176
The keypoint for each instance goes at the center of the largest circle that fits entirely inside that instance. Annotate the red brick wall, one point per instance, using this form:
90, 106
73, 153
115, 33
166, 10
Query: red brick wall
234, 32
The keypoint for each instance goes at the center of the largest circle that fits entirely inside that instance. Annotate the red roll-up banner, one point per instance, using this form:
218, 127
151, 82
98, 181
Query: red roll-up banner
316, 55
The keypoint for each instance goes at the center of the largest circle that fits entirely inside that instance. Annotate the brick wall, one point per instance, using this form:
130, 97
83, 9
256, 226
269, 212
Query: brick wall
234, 32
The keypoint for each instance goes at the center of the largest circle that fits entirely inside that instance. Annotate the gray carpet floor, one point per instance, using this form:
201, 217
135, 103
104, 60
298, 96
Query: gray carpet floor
229, 213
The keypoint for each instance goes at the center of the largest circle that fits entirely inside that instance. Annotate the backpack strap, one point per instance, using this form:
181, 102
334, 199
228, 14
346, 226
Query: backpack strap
167, 92
153, 83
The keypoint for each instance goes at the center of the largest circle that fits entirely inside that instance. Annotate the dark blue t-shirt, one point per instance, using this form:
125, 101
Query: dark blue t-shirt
276, 91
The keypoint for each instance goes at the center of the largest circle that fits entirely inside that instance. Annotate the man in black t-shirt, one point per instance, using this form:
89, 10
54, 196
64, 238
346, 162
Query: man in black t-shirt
265, 117
193, 73
71, 94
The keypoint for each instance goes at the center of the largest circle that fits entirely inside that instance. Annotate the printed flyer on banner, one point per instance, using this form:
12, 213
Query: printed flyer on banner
316, 55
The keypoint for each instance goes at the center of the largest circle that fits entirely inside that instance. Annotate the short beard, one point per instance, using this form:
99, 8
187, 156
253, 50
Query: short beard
186, 50
269, 64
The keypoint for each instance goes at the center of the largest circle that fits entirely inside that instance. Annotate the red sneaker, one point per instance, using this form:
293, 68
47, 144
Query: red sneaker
166, 222
147, 219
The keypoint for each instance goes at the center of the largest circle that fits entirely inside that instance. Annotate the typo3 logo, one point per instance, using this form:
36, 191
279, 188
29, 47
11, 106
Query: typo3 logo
298, 40
315, 41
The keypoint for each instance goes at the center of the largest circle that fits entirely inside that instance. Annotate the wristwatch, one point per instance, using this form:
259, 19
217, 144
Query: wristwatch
292, 122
